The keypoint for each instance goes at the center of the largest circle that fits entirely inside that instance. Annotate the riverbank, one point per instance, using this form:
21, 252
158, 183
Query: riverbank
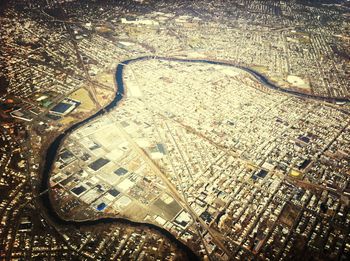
120, 93
50, 157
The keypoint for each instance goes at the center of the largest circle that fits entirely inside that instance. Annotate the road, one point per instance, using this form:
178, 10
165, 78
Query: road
174, 191
201, 225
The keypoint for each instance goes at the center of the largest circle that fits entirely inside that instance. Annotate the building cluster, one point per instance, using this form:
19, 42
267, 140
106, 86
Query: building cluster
206, 152
248, 167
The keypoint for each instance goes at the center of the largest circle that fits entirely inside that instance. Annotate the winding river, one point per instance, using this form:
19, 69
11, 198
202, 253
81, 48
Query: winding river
55, 145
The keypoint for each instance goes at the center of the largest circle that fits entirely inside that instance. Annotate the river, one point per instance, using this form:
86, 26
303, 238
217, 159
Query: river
55, 145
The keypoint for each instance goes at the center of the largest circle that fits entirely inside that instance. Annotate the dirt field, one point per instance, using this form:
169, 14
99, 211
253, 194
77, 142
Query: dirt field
82, 95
